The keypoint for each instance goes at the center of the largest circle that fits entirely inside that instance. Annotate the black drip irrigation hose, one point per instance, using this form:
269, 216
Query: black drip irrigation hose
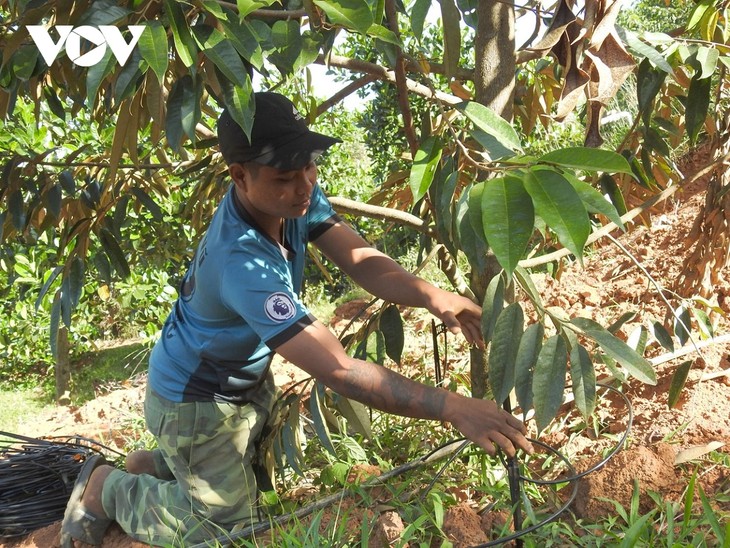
515, 476
36, 479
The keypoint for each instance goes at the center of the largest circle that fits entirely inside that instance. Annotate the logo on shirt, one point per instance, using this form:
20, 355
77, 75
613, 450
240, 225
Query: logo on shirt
279, 307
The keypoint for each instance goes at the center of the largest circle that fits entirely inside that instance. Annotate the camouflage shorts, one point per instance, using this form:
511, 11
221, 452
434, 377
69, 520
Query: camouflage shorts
205, 483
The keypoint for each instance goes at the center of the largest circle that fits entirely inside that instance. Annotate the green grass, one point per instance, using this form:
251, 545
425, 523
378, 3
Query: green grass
92, 373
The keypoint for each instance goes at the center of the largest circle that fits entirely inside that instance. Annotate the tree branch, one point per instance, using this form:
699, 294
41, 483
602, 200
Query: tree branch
381, 73
351, 88
345, 205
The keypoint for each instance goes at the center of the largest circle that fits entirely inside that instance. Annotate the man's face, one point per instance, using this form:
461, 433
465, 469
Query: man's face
276, 193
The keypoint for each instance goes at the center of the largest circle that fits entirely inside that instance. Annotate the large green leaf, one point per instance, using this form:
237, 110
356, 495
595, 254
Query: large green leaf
154, 48
114, 252
384, 34
173, 121
351, 14
527, 353
697, 107
612, 191
584, 380
508, 218
451, 18
593, 200
548, 382
559, 205
588, 159
492, 306
491, 123
239, 102
245, 40
678, 381
47, 285
286, 37
184, 42
391, 324
219, 49
316, 401
682, 324
424, 167
355, 413
290, 439
503, 351
76, 280
245, 7
419, 11
616, 349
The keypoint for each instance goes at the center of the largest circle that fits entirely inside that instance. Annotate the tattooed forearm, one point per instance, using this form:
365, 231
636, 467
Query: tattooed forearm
388, 391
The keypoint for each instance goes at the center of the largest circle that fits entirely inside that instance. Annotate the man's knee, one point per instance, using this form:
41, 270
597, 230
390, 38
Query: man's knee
141, 462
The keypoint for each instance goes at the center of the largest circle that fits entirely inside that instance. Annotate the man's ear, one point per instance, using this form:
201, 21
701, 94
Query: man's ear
239, 174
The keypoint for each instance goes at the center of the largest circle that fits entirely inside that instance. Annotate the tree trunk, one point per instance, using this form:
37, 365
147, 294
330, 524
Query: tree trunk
494, 81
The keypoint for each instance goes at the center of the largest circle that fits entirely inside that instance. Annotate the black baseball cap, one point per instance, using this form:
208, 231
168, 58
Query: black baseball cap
279, 138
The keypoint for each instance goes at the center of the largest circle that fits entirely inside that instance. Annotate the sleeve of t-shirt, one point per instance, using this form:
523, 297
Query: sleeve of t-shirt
257, 286
321, 216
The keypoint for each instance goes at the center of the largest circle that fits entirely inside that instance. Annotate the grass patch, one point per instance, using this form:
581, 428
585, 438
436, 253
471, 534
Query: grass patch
20, 405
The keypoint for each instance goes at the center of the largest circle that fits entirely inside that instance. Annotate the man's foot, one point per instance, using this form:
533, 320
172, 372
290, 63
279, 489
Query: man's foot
140, 462
85, 519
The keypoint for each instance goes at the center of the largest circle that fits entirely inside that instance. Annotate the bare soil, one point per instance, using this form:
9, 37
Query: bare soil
608, 286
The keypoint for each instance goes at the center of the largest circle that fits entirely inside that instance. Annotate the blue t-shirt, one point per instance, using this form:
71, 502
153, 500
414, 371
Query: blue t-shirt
239, 301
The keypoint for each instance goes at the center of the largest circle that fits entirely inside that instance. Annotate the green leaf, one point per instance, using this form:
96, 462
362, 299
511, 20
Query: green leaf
524, 279
287, 39
241, 105
114, 252
67, 182
245, 40
584, 380
618, 350
548, 382
637, 339
391, 324
588, 159
220, 50
320, 426
651, 55
711, 516
351, 14
372, 349
697, 106
527, 353
707, 59
633, 533
76, 280
470, 242
154, 48
419, 11
53, 198
491, 123
682, 325
594, 201
618, 324
451, 17
679, 379
662, 335
424, 167
245, 7
649, 82
492, 306
508, 218
704, 323
54, 103
16, 208
47, 285
384, 34
613, 192
559, 205
290, 439
173, 121
185, 46
355, 413
149, 203
503, 351
55, 324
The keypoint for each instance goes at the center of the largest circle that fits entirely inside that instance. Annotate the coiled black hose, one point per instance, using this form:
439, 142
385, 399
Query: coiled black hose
36, 479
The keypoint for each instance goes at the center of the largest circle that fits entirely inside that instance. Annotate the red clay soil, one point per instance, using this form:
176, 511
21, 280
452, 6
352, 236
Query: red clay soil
604, 289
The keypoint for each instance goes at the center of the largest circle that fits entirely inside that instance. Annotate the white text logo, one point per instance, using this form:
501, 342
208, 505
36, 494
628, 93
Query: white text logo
101, 37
